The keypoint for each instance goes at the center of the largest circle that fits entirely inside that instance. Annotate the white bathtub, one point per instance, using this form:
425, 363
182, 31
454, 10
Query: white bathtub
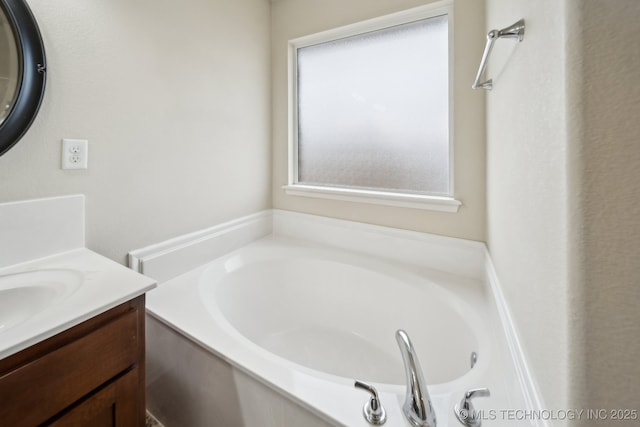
336, 313
276, 332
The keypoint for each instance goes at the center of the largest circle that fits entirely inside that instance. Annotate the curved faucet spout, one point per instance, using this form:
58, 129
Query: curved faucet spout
417, 405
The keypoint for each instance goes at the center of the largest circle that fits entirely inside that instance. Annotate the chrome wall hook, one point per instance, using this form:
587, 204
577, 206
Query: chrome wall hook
515, 31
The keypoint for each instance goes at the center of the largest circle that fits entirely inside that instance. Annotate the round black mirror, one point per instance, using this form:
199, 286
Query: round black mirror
22, 71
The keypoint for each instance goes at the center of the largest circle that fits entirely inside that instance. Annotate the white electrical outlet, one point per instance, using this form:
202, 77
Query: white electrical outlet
75, 154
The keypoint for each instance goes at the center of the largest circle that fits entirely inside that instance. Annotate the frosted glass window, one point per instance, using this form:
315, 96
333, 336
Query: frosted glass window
373, 110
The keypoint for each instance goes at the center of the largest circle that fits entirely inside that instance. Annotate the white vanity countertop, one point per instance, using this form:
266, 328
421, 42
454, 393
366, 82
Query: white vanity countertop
103, 284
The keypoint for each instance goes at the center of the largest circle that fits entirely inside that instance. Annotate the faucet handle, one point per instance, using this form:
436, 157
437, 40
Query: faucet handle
465, 411
476, 392
373, 411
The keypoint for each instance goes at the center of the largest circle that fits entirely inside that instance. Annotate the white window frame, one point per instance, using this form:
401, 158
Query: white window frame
419, 201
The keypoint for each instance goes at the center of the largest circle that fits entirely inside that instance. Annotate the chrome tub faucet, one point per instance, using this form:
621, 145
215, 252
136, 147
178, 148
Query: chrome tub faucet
417, 405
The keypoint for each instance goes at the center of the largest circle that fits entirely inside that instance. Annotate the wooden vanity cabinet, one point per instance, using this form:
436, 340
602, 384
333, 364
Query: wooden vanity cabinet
90, 375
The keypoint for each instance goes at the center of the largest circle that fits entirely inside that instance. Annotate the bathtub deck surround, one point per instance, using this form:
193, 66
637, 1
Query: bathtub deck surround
279, 325
168, 259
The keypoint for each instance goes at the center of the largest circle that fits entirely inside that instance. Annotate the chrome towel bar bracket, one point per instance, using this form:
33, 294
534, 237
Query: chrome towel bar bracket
515, 31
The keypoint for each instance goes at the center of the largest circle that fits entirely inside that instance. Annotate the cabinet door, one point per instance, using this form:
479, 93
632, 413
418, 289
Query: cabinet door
112, 406
50, 382
78, 362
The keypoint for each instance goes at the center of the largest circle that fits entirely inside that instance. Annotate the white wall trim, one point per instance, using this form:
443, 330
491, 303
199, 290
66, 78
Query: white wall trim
176, 256
442, 7
532, 398
416, 201
295, 188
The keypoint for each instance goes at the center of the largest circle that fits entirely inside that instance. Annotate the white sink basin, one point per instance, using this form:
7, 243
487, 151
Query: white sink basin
25, 295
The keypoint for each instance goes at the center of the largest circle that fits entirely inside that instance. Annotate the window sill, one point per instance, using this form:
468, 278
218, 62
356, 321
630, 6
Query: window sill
415, 201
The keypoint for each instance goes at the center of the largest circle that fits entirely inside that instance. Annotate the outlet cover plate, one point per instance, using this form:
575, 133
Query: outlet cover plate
75, 154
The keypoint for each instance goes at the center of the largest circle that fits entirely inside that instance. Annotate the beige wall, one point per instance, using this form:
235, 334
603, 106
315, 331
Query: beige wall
564, 196
527, 183
176, 103
174, 98
604, 64
296, 18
